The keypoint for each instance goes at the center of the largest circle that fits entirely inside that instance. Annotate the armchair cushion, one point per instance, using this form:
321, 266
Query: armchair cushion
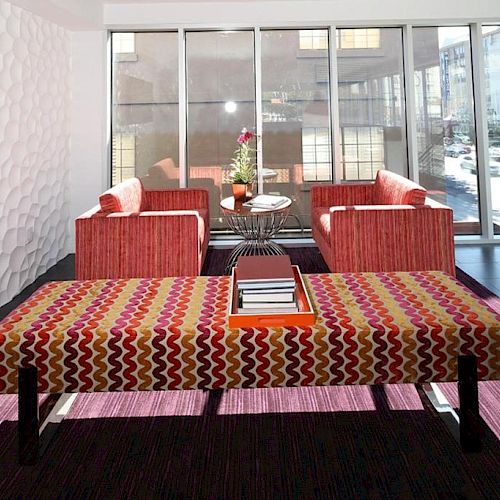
393, 189
128, 196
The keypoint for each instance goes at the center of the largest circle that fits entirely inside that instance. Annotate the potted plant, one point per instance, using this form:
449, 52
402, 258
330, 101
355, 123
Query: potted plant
243, 167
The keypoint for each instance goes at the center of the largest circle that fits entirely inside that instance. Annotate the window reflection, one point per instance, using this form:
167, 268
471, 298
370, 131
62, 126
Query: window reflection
296, 116
371, 102
445, 122
220, 102
296, 137
145, 108
491, 45
358, 38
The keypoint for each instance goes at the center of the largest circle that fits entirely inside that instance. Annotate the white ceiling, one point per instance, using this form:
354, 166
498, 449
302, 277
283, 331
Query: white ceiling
177, 1
98, 14
187, 1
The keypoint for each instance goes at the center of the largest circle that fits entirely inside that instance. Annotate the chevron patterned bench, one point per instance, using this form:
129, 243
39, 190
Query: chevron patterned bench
172, 333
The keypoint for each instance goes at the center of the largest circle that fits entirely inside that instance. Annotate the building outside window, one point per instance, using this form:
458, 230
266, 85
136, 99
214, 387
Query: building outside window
123, 157
296, 133
363, 152
371, 103
358, 38
491, 44
145, 107
220, 102
123, 43
446, 122
313, 39
316, 154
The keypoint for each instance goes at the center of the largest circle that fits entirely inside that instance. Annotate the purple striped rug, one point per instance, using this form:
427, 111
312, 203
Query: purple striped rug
319, 442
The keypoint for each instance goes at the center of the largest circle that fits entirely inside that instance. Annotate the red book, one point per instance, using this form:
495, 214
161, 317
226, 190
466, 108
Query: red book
255, 269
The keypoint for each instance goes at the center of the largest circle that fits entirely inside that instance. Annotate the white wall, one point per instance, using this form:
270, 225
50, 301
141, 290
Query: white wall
72, 14
89, 172
34, 147
314, 12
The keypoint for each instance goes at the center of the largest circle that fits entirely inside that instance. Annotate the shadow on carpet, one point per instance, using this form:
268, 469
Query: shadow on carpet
374, 452
403, 454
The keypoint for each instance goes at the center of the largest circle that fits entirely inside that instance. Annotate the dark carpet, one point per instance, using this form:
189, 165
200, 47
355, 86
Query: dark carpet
309, 260
318, 442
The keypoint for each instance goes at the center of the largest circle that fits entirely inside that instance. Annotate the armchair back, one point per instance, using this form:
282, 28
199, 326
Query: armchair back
394, 189
128, 196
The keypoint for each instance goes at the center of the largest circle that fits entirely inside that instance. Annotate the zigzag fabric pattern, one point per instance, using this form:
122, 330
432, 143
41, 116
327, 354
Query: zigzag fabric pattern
171, 333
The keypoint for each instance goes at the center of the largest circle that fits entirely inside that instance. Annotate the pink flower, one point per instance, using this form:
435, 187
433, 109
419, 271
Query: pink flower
245, 136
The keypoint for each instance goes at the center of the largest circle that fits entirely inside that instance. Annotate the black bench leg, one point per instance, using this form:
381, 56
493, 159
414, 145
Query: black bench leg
28, 416
470, 421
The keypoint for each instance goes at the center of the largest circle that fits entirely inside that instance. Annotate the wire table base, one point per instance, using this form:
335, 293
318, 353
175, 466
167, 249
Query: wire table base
257, 229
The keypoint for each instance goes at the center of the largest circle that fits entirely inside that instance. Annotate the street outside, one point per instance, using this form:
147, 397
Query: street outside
462, 191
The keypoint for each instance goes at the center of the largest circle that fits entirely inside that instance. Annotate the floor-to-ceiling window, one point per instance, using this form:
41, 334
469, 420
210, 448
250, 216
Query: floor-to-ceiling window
145, 109
288, 70
371, 102
491, 47
296, 134
220, 102
446, 136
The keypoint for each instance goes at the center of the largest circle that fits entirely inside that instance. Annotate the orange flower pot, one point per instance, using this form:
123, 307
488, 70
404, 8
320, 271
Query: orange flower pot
242, 192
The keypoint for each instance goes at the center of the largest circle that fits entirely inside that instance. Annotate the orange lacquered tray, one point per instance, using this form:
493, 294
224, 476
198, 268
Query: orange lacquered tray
305, 316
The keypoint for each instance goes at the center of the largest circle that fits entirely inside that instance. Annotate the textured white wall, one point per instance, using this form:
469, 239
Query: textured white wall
71, 14
34, 147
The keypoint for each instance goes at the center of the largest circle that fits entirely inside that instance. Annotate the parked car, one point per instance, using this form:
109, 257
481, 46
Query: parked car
494, 148
464, 139
495, 165
454, 150
469, 163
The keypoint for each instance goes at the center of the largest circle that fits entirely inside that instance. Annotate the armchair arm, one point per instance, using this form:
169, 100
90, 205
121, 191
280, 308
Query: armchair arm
177, 199
147, 244
391, 238
329, 195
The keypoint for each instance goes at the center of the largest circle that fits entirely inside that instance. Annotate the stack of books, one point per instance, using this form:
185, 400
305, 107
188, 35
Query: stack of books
266, 285
268, 201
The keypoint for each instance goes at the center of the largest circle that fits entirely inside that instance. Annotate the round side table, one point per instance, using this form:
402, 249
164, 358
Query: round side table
256, 226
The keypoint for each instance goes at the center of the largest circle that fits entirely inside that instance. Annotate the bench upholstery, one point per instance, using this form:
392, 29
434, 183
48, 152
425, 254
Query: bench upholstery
172, 333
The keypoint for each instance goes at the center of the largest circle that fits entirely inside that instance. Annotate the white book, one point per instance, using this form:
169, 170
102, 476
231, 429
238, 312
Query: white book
265, 291
262, 285
276, 310
265, 201
267, 305
267, 297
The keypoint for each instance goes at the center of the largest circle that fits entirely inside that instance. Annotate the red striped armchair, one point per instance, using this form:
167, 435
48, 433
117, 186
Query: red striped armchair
388, 225
134, 233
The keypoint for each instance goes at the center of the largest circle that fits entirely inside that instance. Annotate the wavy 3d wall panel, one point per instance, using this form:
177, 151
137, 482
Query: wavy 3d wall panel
34, 147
